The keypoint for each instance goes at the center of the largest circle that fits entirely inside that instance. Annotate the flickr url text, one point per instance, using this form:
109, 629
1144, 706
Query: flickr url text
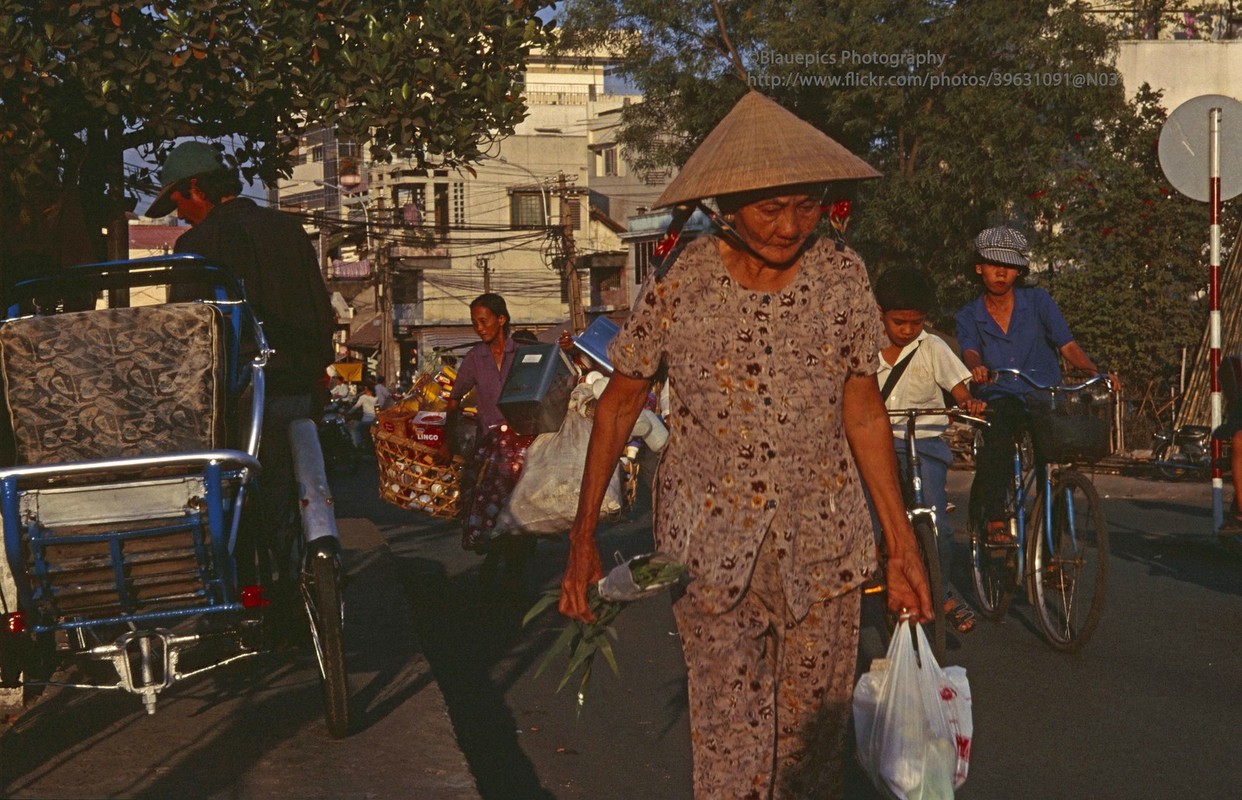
919, 80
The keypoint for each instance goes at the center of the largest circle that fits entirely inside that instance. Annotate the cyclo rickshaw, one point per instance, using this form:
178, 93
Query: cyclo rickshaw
133, 442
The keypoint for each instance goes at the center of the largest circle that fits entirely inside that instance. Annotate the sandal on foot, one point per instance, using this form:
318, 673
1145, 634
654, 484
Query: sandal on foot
998, 534
1232, 526
959, 615
1057, 579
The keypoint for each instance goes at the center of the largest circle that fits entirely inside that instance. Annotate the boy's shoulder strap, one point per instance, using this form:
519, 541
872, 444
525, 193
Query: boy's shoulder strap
899, 369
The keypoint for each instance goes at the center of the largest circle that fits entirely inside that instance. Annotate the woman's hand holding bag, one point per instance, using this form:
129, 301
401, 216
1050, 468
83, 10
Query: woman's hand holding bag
912, 720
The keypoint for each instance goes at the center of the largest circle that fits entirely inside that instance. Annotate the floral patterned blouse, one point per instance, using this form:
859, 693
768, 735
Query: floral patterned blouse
756, 435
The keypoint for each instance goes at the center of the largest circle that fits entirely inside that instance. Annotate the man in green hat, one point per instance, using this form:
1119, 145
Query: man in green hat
270, 253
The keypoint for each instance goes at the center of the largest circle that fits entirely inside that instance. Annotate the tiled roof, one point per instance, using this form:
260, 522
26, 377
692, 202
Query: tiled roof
153, 239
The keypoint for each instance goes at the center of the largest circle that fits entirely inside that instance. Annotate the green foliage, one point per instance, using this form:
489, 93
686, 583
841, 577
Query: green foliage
581, 641
1128, 253
84, 80
957, 155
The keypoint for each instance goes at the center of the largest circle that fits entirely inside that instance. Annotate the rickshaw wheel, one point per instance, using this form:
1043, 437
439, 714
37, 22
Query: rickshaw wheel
12, 662
321, 591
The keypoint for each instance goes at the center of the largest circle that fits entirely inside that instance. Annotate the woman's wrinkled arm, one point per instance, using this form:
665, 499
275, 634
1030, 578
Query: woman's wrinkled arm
615, 414
870, 435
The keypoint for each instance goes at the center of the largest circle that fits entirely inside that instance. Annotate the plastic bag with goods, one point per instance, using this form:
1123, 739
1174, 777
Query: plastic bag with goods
638, 577
912, 721
545, 499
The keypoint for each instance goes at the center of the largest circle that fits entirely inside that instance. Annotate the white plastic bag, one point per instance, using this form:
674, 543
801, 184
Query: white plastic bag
545, 499
913, 723
619, 586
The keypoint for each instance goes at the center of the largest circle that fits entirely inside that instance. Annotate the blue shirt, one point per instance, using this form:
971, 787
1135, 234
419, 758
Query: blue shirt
479, 372
1036, 334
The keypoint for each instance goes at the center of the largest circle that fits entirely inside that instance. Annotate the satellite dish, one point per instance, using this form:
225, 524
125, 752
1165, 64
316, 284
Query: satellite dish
1184, 147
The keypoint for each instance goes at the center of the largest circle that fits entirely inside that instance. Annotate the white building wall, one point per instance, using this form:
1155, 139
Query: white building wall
551, 143
1183, 69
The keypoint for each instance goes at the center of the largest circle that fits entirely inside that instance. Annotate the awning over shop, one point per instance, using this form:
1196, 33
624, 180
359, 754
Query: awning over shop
349, 371
365, 335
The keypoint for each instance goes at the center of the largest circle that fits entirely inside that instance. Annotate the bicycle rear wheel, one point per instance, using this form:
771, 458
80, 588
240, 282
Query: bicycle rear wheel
325, 608
993, 568
1068, 570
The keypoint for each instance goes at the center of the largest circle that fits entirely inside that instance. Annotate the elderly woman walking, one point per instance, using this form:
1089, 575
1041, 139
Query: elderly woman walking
768, 334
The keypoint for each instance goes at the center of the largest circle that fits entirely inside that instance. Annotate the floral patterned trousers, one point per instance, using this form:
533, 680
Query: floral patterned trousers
487, 481
769, 694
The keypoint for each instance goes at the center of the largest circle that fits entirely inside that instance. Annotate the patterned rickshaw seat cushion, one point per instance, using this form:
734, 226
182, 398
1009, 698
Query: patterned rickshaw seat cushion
115, 383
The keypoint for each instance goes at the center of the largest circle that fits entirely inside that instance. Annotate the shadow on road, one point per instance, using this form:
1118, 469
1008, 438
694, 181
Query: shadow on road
519, 736
469, 636
238, 731
275, 697
1172, 538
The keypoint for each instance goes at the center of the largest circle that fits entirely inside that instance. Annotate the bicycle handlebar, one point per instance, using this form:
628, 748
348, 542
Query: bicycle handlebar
956, 413
1063, 387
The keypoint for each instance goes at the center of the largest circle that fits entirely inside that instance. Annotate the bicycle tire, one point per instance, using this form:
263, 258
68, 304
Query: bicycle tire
925, 535
321, 592
992, 569
1068, 572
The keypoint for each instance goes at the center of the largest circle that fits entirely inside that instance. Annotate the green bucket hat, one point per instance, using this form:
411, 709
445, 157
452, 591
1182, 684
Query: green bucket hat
186, 160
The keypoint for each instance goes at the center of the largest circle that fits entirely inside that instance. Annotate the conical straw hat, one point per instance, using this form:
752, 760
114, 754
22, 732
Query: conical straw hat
760, 145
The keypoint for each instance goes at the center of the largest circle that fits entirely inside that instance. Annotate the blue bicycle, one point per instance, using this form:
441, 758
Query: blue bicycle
1063, 563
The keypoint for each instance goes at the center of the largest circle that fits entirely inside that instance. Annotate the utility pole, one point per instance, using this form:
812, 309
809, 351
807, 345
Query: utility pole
325, 261
483, 262
117, 241
389, 357
577, 316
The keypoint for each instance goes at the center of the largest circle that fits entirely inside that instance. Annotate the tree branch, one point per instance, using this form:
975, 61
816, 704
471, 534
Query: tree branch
141, 136
724, 35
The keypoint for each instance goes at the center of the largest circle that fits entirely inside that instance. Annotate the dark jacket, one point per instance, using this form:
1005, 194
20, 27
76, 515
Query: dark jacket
275, 261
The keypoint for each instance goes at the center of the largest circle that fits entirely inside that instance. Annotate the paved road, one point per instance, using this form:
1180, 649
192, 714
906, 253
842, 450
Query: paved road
1149, 708
255, 729
519, 736
1146, 711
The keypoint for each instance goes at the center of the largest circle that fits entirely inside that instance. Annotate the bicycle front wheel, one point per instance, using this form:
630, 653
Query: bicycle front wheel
1068, 569
993, 567
925, 534
321, 591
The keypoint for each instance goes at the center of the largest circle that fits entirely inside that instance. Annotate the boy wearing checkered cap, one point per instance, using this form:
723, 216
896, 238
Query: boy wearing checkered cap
1009, 327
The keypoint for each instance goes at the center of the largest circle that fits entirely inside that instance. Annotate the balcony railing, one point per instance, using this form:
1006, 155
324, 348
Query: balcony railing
350, 270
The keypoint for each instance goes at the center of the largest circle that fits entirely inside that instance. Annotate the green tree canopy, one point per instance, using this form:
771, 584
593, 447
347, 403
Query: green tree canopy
82, 81
978, 112
1127, 252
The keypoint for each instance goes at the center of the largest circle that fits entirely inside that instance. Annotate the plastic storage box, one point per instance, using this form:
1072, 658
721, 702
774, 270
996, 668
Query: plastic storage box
536, 394
594, 341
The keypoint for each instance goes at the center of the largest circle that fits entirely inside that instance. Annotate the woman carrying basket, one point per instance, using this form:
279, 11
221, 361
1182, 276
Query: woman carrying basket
769, 338
494, 468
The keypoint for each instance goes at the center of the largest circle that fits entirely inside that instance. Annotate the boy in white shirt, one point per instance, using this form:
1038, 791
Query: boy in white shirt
916, 369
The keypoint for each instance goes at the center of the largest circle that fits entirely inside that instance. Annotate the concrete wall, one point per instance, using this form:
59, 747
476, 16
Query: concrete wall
1183, 69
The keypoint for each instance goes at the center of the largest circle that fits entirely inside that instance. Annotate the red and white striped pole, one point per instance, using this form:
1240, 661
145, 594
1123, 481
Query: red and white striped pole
1214, 117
